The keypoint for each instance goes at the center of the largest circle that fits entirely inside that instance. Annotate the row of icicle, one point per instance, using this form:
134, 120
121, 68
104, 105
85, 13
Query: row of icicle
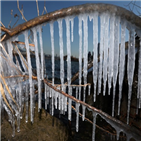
110, 64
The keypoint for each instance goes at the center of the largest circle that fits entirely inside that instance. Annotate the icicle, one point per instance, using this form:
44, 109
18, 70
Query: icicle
85, 52
94, 122
37, 68
20, 100
116, 59
77, 116
52, 49
10, 49
76, 93
59, 103
102, 24
72, 23
26, 103
61, 51
42, 53
18, 122
13, 126
0, 103
30, 73
105, 49
52, 103
130, 67
95, 50
63, 103
70, 104
80, 54
68, 51
83, 112
84, 92
56, 96
89, 89
111, 52
66, 103
122, 62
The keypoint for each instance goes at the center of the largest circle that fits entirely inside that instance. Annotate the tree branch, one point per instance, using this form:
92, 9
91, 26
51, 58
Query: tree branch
76, 10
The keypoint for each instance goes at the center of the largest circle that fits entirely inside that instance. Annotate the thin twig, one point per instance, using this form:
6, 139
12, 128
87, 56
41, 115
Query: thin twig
21, 11
44, 9
37, 7
17, 20
2, 24
11, 19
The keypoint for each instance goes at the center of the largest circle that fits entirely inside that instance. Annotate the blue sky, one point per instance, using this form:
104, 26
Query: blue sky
30, 12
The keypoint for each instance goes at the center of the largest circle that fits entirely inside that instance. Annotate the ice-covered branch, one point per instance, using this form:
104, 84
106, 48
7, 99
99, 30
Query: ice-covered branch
76, 10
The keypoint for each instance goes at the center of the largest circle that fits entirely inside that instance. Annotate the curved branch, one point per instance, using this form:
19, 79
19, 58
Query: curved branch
76, 10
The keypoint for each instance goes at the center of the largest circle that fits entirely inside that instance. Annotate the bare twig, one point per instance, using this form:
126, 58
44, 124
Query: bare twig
44, 9
11, 18
2, 24
25, 63
17, 19
37, 7
20, 11
3, 95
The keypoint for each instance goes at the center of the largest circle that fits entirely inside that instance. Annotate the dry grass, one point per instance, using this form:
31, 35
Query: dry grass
40, 130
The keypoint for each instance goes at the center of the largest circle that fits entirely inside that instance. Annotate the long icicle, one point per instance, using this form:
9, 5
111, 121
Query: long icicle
111, 52
80, 54
122, 62
61, 52
105, 48
30, 74
116, 60
52, 49
42, 53
37, 68
95, 49
130, 67
85, 56
101, 51
68, 63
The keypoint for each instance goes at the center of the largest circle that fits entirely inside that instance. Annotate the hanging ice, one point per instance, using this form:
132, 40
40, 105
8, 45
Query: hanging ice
70, 104
130, 67
72, 23
89, 89
30, 74
83, 112
37, 68
85, 52
121, 62
105, 49
42, 53
52, 49
77, 116
94, 16
111, 52
80, 54
52, 103
26, 103
61, 51
116, 59
94, 124
102, 24
76, 93
10, 48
